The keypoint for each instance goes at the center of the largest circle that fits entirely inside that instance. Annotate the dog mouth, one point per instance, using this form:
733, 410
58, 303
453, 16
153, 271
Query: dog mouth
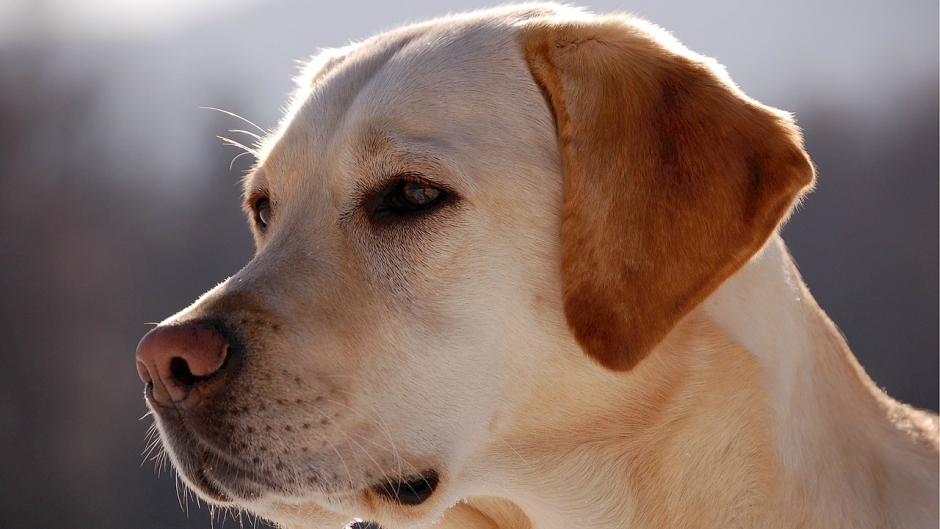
214, 472
223, 466
197, 472
219, 477
412, 490
225, 478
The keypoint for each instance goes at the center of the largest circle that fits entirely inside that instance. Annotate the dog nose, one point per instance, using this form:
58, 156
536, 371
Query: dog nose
182, 363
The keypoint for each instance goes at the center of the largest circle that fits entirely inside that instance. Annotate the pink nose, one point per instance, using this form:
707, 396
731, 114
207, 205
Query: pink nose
182, 362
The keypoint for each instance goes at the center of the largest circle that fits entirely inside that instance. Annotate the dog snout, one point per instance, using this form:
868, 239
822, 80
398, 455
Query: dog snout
183, 363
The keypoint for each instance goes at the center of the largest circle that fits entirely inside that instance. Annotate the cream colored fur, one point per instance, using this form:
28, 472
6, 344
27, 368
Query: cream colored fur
446, 346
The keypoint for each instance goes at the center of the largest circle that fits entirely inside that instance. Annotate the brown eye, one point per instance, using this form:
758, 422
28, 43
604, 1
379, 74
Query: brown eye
418, 195
405, 199
263, 212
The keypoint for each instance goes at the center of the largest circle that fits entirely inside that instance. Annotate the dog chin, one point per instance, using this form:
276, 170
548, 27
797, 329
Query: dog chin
224, 478
399, 502
213, 474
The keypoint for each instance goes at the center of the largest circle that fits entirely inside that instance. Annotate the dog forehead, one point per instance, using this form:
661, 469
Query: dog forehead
449, 80
445, 76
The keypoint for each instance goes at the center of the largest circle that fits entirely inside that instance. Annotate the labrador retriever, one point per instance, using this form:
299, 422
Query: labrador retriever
519, 268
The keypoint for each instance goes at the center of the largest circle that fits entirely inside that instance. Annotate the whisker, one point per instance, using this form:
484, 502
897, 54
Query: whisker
237, 156
328, 375
381, 421
398, 460
148, 451
514, 451
397, 456
181, 494
160, 461
388, 433
234, 115
340, 456
249, 133
233, 143
353, 441
152, 442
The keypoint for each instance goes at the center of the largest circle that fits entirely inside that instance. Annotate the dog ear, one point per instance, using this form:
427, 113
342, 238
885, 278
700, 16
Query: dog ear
673, 178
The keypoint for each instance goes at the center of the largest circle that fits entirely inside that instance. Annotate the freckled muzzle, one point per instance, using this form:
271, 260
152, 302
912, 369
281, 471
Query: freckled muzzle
185, 367
238, 430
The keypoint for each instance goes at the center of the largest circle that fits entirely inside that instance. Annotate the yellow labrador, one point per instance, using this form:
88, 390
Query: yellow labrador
519, 268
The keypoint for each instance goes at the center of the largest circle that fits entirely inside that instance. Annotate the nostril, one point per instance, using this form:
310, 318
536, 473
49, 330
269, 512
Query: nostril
175, 359
180, 372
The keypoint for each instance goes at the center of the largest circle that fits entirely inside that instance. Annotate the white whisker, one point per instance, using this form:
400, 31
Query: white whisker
233, 143
249, 133
234, 115
237, 156
364, 451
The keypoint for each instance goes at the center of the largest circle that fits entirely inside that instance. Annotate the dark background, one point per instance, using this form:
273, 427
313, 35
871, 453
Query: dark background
118, 208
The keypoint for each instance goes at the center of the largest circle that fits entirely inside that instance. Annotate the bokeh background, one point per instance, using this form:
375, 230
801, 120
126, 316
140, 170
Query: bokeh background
118, 207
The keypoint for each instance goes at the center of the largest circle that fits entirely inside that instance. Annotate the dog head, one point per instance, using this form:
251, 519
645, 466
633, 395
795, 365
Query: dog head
450, 217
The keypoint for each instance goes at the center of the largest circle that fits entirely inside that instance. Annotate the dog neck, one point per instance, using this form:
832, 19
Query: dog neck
832, 425
753, 412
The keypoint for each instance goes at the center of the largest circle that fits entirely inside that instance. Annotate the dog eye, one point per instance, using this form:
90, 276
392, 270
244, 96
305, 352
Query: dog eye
262, 208
405, 198
418, 195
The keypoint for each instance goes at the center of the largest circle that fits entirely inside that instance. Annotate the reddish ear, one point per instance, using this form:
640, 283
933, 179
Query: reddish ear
673, 178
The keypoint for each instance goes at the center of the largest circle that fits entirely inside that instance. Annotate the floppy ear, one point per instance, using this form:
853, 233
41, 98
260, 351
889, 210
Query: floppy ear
673, 178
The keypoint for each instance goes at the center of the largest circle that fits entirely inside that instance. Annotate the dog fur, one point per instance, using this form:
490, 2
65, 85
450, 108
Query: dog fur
601, 327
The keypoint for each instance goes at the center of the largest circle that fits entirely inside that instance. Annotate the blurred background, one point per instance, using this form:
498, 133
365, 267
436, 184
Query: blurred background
118, 207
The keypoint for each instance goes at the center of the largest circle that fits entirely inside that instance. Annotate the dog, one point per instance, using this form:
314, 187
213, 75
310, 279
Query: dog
520, 268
